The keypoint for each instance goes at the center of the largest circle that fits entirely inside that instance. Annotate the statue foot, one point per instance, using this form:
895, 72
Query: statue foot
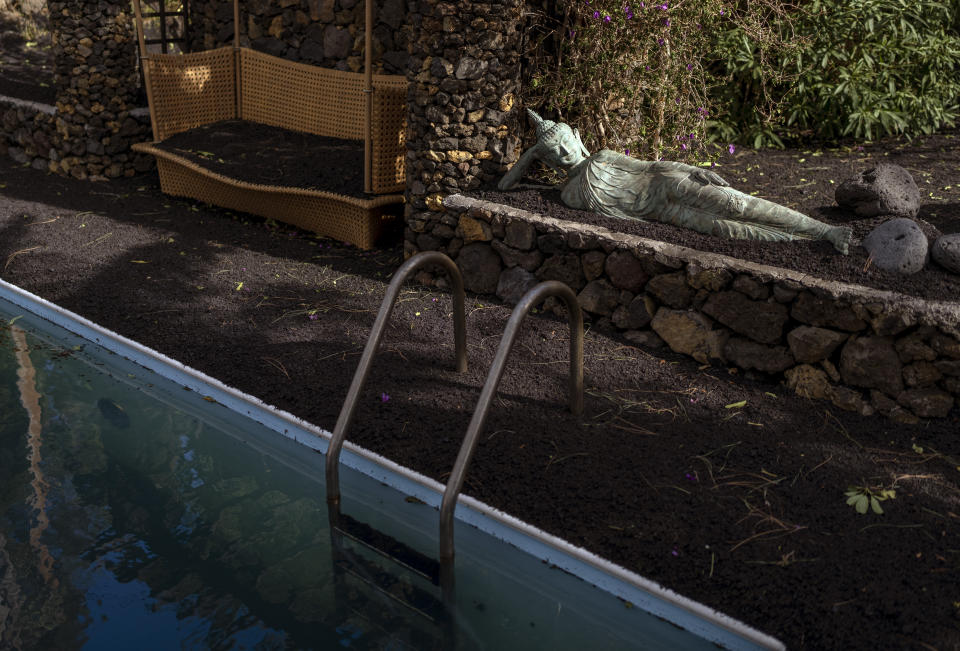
840, 237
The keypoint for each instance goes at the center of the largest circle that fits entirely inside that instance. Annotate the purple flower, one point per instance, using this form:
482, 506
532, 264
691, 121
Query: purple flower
731, 149
691, 477
683, 146
606, 19
626, 152
384, 397
596, 14
664, 6
689, 66
659, 41
313, 317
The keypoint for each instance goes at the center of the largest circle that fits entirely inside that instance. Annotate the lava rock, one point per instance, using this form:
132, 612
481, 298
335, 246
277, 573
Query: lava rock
671, 290
750, 355
946, 252
480, 266
810, 345
882, 190
690, 333
514, 283
821, 312
626, 271
872, 363
599, 297
898, 246
926, 403
761, 321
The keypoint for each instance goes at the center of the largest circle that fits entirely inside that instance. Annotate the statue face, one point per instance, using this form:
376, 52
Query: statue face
561, 148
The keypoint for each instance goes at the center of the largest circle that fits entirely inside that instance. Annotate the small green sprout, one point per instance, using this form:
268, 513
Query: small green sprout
863, 497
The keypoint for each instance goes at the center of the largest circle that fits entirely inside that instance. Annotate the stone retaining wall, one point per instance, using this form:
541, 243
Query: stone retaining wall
863, 349
96, 118
28, 132
328, 33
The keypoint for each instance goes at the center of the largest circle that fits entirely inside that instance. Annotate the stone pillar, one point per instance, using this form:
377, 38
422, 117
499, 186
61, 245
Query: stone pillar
463, 121
96, 76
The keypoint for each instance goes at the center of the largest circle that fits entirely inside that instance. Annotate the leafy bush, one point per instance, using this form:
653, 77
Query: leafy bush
630, 74
663, 78
860, 68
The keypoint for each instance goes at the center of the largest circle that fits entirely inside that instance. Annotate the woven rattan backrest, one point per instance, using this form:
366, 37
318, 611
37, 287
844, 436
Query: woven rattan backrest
190, 90
389, 131
301, 97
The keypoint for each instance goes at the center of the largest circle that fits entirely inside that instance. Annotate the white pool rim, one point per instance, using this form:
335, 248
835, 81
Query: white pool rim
609, 577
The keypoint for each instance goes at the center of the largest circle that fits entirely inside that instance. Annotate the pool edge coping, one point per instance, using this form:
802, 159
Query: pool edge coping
366, 461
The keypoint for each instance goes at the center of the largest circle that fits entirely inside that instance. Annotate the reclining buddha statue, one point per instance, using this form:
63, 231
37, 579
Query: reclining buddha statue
617, 185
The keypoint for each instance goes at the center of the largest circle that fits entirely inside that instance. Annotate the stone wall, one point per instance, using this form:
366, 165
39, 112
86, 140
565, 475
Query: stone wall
328, 33
462, 122
97, 82
96, 118
864, 350
28, 133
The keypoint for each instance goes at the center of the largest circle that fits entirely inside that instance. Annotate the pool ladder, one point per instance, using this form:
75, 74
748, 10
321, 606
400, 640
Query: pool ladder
441, 572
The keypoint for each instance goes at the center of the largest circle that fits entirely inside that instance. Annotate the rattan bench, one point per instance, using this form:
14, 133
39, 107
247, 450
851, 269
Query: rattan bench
186, 91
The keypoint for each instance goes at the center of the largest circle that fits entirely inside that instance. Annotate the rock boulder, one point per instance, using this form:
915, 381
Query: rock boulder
898, 246
946, 252
882, 190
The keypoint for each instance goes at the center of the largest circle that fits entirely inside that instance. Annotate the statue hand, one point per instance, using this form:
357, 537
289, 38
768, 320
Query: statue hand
706, 177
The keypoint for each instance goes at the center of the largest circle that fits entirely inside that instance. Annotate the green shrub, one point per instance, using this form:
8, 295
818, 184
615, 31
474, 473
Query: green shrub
663, 78
861, 68
632, 75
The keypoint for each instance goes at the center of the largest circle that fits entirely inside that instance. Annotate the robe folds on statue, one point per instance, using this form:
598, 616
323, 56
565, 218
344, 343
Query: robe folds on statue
616, 185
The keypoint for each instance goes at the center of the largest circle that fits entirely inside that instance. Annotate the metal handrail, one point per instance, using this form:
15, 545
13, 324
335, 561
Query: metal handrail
370, 350
455, 483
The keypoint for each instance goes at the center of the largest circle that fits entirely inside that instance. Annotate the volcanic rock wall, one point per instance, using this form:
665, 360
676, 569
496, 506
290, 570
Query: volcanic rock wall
327, 33
89, 131
864, 350
462, 124
97, 81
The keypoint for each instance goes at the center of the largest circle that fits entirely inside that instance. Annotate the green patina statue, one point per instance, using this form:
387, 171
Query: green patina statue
617, 185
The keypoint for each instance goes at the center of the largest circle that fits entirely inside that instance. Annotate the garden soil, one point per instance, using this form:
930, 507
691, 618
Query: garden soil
720, 486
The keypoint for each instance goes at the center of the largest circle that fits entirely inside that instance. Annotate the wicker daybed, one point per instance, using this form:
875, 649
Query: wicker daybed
186, 91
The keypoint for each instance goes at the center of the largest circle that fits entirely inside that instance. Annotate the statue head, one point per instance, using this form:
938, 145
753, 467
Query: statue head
558, 145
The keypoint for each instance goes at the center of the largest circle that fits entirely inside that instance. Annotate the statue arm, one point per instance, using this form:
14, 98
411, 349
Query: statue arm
512, 177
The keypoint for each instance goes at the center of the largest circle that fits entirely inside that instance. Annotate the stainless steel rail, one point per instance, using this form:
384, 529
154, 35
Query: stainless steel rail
455, 483
370, 350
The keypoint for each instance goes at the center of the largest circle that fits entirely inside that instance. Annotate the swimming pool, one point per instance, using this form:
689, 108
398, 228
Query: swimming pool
138, 510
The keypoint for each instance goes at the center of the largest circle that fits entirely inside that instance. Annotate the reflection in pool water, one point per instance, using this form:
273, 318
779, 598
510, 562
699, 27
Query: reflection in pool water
134, 514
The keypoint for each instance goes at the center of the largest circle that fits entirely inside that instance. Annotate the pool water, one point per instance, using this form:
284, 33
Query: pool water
137, 514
